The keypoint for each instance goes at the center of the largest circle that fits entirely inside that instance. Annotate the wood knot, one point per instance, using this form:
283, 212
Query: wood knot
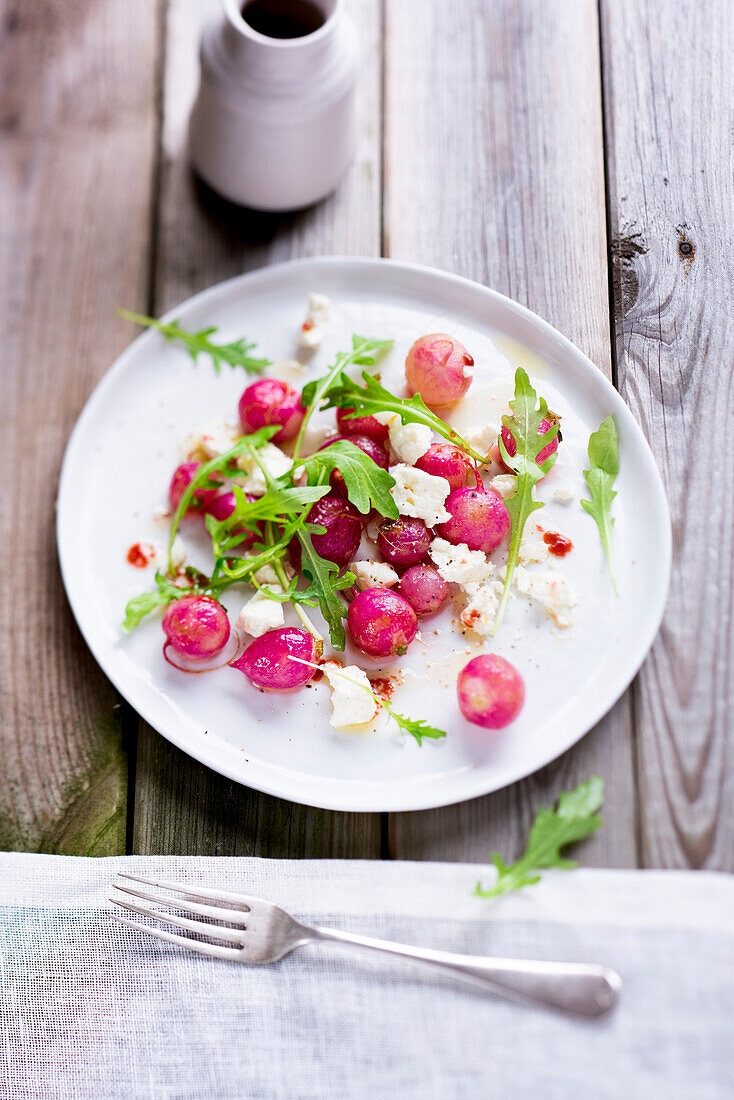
686, 247
626, 247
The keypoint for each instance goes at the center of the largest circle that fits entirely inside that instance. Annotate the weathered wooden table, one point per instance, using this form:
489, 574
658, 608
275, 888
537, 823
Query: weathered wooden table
576, 158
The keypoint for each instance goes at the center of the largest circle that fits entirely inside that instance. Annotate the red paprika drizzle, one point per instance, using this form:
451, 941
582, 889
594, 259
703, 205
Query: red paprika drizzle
141, 554
557, 544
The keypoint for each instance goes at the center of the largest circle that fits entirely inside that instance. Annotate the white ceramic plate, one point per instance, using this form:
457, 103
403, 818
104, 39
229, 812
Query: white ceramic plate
128, 440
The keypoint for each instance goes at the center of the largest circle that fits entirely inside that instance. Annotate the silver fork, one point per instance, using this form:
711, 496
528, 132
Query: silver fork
264, 933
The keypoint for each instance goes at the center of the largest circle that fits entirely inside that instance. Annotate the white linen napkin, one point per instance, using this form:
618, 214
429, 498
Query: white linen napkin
91, 1009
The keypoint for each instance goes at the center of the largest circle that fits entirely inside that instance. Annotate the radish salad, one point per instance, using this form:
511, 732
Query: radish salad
360, 531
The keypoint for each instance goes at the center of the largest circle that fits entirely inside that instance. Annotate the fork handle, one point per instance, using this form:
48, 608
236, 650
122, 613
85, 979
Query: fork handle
577, 988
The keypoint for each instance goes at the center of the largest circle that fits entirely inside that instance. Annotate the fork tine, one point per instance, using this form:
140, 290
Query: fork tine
213, 930
231, 915
195, 890
213, 950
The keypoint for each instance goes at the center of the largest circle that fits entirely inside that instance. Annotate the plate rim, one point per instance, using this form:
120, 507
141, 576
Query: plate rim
354, 804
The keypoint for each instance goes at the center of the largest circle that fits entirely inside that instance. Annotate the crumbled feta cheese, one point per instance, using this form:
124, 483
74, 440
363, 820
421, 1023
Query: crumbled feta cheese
217, 437
212, 440
550, 590
481, 609
373, 574
314, 327
532, 546
352, 700
267, 574
178, 553
481, 438
287, 368
260, 614
563, 494
459, 564
419, 494
161, 513
409, 441
274, 461
504, 484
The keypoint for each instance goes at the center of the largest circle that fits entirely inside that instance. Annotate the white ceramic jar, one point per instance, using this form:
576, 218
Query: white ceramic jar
273, 125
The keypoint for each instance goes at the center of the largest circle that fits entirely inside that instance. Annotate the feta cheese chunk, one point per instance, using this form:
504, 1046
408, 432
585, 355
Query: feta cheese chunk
267, 574
420, 495
550, 590
373, 574
288, 368
274, 461
409, 441
211, 440
481, 609
217, 437
563, 494
481, 438
532, 547
178, 553
260, 614
352, 701
314, 327
459, 564
505, 485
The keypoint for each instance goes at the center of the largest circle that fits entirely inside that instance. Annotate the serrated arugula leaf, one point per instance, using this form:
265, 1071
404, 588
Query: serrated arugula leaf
230, 570
248, 444
373, 398
139, 606
273, 505
575, 818
311, 594
604, 466
368, 485
234, 354
365, 352
323, 576
418, 728
528, 411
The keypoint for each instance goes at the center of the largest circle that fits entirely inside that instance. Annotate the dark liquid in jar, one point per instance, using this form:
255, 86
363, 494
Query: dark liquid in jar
283, 18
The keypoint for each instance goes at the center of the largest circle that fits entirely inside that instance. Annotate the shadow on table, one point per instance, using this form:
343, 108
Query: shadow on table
250, 228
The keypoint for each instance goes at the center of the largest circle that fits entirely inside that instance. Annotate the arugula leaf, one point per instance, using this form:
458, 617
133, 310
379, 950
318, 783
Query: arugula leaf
574, 819
364, 353
230, 570
418, 728
368, 485
310, 595
524, 425
324, 585
234, 354
373, 398
604, 467
140, 606
273, 505
249, 444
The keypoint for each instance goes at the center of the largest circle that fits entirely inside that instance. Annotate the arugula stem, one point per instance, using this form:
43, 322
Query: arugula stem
297, 607
320, 391
201, 478
147, 322
361, 348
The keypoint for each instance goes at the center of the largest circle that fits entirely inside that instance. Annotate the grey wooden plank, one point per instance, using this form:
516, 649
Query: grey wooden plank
669, 92
77, 120
180, 806
494, 169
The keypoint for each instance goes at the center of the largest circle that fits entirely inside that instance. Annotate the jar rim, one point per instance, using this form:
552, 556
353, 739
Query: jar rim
233, 13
